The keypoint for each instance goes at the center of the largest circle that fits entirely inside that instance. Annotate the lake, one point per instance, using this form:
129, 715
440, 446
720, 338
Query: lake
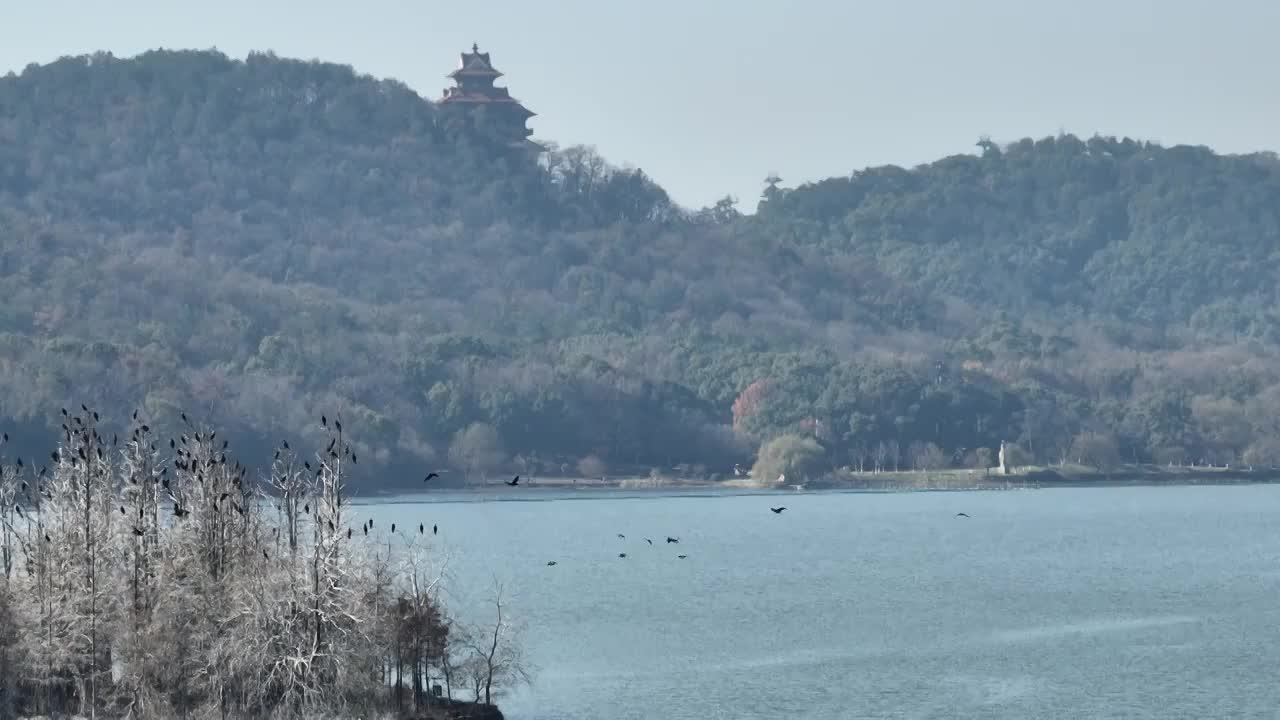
1085, 602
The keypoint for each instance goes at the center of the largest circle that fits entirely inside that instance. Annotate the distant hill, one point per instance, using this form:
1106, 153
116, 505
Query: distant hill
261, 241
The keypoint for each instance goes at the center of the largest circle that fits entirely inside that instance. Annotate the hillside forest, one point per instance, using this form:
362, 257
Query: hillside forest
257, 242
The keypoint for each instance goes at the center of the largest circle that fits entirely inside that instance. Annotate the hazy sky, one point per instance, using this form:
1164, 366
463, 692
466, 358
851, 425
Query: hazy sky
710, 96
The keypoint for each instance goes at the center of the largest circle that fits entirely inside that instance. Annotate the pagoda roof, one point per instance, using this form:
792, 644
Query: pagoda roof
476, 64
502, 97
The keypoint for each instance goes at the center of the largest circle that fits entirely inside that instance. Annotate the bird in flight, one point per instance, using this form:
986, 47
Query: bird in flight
430, 475
622, 555
960, 514
621, 536
513, 481
682, 556
648, 541
672, 540
551, 563
777, 510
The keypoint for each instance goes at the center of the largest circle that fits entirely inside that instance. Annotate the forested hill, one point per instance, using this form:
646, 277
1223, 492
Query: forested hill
258, 242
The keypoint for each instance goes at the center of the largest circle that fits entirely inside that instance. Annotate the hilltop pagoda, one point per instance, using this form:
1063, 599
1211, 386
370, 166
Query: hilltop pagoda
475, 93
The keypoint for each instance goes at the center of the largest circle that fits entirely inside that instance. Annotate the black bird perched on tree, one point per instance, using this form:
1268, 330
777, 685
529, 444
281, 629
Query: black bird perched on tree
323, 421
393, 527
338, 424
513, 481
365, 528
430, 475
422, 529
122, 510
184, 417
19, 462
286, 444
435, 529
348, 533
306, 509
777, 510
330, 526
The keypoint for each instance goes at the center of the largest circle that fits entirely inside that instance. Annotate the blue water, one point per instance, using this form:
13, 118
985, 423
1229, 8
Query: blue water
1133, 602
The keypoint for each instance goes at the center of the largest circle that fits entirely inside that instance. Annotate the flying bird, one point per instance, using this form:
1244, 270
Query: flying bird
551, 563
673, 540
648, 541
621, 536
622, 555
777, 510
513, 481
960, 514
682, 556
430, 475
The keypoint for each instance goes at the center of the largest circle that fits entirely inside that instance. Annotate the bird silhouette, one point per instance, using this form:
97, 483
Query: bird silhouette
393, 527
622, 555
421, 529
430, 475
960, 514
673, 540
513, 481
348, 533
551, 563
324, 421
137, 532
777, 510
621, 536
682, 556
338, 424
179, 511
435, 529
648, 541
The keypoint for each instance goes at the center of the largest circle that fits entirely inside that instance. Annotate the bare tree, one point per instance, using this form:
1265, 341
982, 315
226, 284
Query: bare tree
478, 448
167, 570
498, 659
592, 466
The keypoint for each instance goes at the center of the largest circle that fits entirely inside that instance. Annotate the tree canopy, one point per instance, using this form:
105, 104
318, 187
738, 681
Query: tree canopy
263, 240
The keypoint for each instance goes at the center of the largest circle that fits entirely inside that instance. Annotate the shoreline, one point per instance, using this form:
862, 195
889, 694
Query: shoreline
882, 482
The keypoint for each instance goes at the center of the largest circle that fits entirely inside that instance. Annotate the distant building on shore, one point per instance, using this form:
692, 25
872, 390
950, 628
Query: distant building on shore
490, 106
